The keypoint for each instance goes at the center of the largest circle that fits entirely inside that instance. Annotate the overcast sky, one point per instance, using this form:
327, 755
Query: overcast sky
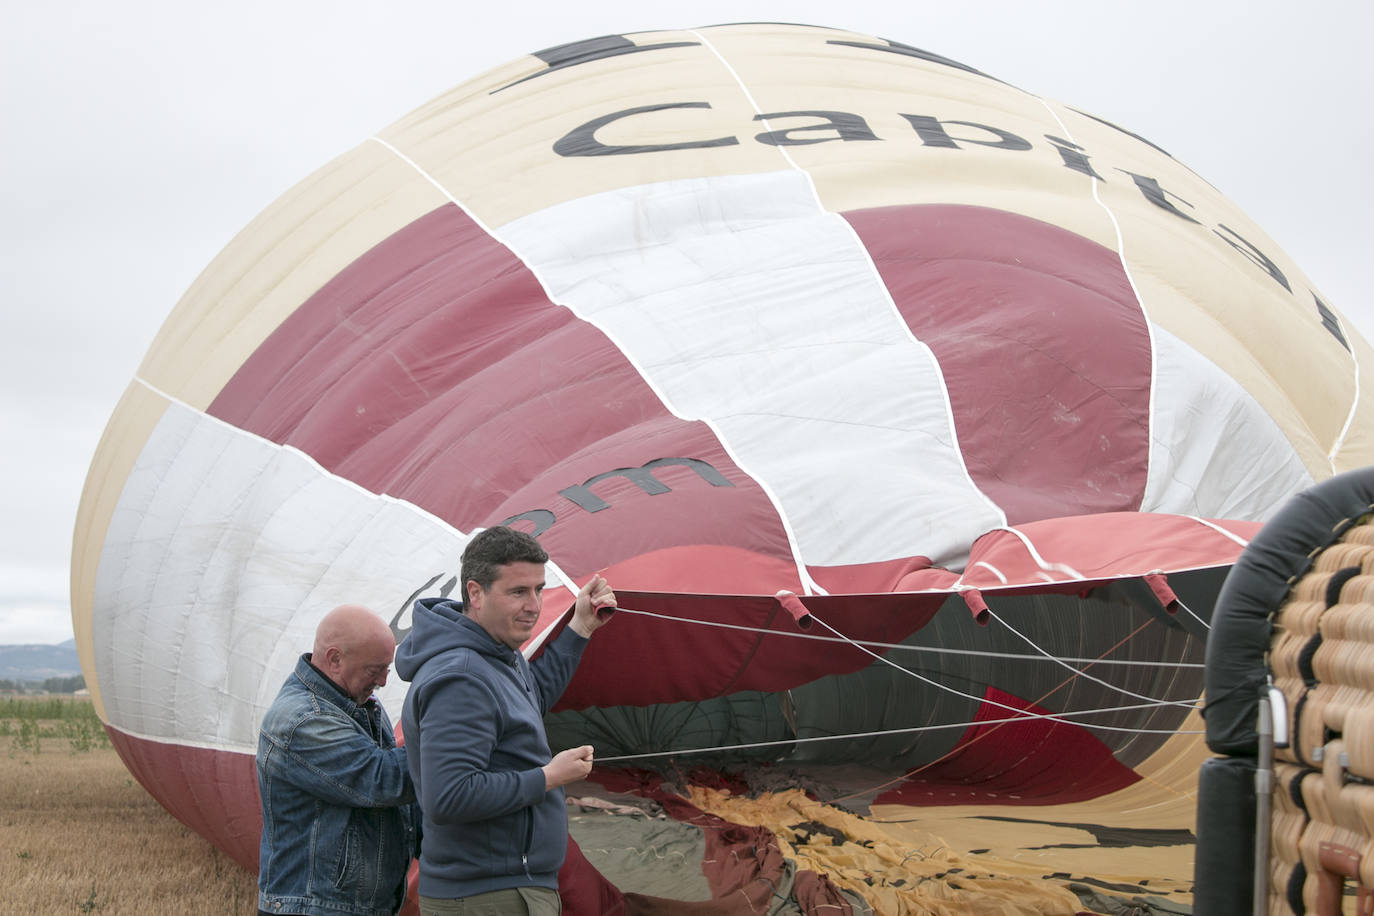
139, 137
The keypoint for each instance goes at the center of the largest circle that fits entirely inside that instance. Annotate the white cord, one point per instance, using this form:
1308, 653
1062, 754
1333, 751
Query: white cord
937, 650
1086, 675
916, 728
1021, 715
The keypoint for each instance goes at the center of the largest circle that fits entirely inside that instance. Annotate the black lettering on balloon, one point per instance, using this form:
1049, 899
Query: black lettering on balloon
643, 478
932, 133
896, 47
560, 57
1245, 247
1330, 321
582, 141
849, 126
541, 519
1158, 196
400, 632
845, 126
583, 498
1072, 155
1123, 130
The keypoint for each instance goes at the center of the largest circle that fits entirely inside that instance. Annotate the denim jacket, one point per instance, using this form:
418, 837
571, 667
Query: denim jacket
339, 824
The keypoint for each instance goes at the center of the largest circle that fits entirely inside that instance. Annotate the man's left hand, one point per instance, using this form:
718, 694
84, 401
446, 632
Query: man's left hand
595, 605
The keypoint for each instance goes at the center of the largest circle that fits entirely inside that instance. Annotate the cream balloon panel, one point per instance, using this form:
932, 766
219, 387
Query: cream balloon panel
854, 177
277, 262
915, 131
135, 417
1159, 190
1357, 447
496, 153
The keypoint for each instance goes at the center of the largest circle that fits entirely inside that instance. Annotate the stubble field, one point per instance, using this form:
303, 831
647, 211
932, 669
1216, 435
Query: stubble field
79, 835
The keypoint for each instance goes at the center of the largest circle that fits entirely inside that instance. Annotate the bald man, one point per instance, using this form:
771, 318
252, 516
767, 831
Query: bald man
339, 823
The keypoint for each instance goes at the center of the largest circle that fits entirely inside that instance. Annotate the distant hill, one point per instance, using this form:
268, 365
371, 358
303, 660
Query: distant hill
38, 663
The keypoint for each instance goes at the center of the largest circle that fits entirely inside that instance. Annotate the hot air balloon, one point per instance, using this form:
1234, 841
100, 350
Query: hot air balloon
915, 418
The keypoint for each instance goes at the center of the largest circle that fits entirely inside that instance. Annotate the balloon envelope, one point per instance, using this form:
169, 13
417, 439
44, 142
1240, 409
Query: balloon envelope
997, 388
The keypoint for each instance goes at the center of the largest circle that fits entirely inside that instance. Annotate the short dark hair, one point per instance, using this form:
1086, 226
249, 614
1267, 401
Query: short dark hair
494, 548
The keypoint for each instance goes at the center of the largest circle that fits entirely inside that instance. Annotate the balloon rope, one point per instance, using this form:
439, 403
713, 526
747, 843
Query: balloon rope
916, 728
1205, 624
1021, 714
1191, 704
998, 724
937, 650
977, 699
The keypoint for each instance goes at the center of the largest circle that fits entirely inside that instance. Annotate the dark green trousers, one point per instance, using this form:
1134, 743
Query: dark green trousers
516, 901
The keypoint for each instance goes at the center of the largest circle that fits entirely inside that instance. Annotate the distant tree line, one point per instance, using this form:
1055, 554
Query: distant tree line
50, 685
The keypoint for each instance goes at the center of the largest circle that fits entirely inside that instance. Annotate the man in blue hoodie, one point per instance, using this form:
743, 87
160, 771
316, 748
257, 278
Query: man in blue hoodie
490, 790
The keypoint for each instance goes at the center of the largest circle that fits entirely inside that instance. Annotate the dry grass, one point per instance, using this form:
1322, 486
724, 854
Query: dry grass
79, 835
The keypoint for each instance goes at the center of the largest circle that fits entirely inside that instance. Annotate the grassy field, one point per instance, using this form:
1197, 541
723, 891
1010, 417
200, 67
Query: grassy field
79, 835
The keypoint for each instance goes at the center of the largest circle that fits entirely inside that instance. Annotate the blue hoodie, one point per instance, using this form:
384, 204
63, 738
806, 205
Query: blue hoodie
474, 732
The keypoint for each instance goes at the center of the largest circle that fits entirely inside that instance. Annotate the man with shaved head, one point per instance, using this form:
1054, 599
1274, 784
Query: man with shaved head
339, 823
